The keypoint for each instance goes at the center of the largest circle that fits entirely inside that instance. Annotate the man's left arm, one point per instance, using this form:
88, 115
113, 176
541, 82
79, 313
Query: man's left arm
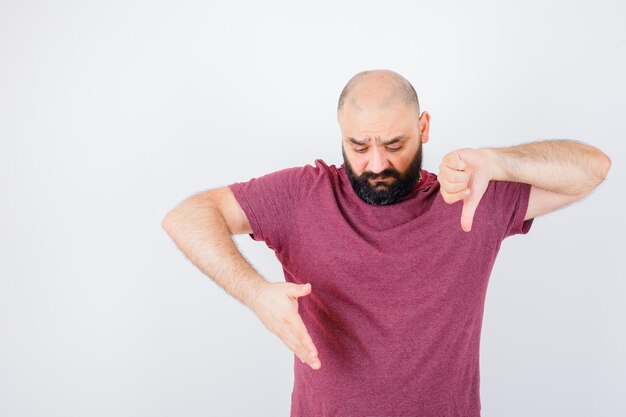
559, 172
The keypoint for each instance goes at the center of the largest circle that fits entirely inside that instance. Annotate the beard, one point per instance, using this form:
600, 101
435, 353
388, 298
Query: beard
392, 190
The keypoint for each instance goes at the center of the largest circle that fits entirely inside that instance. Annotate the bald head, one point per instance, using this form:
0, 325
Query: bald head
378, 89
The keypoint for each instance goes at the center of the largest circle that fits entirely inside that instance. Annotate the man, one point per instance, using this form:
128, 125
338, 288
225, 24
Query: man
386, 264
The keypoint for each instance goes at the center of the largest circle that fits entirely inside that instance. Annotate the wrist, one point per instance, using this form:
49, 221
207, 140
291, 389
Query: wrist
256, 286
495, 164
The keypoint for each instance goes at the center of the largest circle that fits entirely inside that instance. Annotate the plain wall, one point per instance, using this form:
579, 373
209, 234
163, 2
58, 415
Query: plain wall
113, 112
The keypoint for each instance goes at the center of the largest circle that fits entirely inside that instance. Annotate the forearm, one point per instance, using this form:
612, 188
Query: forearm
562, 166
200, 232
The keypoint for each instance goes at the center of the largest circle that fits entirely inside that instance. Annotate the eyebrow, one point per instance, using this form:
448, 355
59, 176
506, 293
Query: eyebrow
368, 140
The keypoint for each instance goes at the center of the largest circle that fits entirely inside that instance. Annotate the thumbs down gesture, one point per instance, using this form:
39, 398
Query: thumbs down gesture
464, 175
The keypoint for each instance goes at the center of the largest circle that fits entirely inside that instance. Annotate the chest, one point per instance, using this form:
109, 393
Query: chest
421, 256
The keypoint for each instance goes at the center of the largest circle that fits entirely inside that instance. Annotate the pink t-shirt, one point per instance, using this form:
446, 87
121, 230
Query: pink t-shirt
397, 291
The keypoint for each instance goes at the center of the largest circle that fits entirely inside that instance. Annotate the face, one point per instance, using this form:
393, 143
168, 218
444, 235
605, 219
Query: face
393, 185
384, 145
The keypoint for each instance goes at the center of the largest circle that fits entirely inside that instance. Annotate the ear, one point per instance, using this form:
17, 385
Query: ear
424, 125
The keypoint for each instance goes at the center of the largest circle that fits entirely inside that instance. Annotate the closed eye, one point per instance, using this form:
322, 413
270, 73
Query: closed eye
389, 149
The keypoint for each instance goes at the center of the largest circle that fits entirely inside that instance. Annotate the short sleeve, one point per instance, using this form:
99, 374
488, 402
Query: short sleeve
508, 205
269, 202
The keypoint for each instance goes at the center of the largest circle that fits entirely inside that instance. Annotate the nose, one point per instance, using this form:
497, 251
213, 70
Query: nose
378, 161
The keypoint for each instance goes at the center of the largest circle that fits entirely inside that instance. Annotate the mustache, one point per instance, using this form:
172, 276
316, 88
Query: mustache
382, 176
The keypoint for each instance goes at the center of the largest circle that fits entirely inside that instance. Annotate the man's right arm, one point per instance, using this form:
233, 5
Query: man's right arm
201, 226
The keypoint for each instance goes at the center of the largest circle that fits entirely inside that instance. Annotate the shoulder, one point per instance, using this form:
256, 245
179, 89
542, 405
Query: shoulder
317, 172
321, 168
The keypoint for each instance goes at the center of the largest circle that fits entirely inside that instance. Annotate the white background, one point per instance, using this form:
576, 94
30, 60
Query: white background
113, 112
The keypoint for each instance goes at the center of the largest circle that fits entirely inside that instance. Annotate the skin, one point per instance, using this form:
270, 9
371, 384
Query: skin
464, 174
370, 114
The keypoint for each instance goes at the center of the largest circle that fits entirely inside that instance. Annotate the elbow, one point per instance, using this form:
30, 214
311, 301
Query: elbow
168, 222
189, 214
165, 223
606, 166
192, 213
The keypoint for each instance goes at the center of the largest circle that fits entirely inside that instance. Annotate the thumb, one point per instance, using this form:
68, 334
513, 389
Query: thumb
469, 208
301, 289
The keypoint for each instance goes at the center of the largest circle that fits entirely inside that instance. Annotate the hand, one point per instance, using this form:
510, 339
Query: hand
276, 305
464, 174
